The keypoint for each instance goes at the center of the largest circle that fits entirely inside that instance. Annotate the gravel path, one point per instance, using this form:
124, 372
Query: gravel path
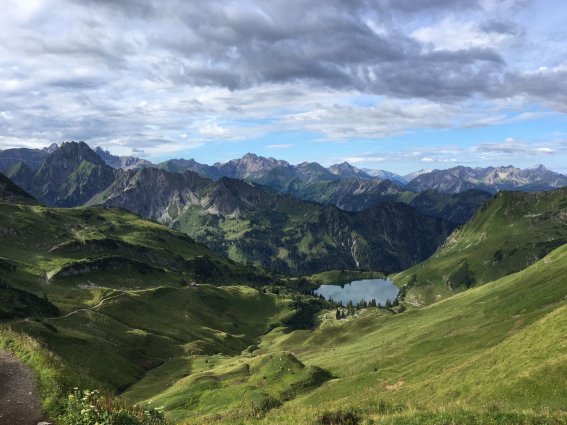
19, 398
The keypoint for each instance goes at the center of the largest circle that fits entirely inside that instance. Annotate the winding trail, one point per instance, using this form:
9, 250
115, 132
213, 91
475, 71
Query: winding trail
19, 397
94, 307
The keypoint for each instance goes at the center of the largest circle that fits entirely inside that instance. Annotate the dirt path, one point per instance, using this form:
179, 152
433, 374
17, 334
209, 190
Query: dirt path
19, 397
94, 307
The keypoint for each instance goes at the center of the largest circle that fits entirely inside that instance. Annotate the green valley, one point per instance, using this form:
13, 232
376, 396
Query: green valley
102, 299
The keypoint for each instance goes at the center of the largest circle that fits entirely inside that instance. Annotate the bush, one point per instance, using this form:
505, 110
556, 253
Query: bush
89, 407
339, 418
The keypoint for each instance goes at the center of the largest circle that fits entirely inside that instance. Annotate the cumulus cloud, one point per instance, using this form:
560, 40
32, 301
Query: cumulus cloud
167, 75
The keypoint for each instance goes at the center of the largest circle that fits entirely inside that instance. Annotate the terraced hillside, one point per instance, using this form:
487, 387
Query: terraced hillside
508, 234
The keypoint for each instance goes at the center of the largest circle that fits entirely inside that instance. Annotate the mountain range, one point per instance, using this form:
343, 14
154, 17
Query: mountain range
283, 176
251, 223
288, 218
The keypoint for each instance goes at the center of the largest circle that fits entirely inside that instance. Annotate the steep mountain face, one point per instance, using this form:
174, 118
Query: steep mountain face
21, 174
252, 224
491, 179
71, 175
348, 194
347, 171
10, 192
153, 193
456, 208
506, 235
124, 162
32, 158
68, 176
387, 175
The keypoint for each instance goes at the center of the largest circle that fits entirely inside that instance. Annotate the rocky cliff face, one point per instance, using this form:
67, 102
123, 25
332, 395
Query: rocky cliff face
250, 223
71, 175
126, 162
68, 176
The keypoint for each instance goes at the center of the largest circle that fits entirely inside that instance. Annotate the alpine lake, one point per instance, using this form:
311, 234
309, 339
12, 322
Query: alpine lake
380, 290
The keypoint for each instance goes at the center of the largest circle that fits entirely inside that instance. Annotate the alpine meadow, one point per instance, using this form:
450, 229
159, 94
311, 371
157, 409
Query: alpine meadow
294, 212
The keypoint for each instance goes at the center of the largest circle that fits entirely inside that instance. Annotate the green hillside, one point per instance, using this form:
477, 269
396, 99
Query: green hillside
508, 234
130, 332
495, 354
102, 298
70, 255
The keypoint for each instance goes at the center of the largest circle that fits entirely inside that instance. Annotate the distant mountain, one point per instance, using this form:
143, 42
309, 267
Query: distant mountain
51, 148
409, 177
251, 223
11, 192
347, 171
387, 175
124, 162
349, 194
491, 179
69, 176
32, 158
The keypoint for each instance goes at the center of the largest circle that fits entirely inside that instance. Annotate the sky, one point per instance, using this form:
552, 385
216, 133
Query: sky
399, 85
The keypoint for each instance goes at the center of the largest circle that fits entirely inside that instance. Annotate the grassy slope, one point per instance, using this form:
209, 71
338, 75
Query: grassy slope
498, 347
493, 354
115, 248
135, 331
118, 322
509, 233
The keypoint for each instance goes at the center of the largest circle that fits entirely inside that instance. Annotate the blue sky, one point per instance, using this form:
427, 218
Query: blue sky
394, 84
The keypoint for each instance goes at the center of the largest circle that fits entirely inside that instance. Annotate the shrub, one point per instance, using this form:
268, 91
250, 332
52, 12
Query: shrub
89, 407
339, 418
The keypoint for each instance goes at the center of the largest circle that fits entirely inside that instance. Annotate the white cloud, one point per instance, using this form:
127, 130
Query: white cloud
214, 130
365, 159
280, 146
453, 34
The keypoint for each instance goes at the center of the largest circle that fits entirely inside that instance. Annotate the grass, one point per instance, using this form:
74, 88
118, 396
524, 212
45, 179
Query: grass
505, 236
54, 379
495, 354
70, 255
502, 344
135, 331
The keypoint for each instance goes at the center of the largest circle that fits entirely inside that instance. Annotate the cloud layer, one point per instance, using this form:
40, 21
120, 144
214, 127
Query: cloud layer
167, 76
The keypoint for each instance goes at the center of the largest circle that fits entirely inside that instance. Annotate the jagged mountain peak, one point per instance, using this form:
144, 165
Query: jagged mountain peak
51, 148
492, 179
345, 168
125, 162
